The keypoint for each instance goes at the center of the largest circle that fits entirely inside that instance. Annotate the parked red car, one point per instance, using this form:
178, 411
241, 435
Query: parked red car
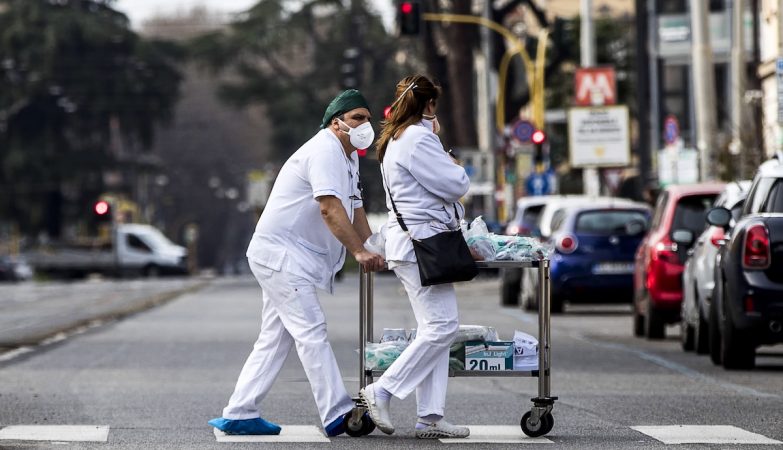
679, 218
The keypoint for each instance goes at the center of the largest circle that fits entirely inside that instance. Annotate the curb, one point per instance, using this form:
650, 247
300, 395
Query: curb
118, 313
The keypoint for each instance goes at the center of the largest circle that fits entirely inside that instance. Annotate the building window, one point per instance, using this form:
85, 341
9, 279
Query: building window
680, 6
671, 7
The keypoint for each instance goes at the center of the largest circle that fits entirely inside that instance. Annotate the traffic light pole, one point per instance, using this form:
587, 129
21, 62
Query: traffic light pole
533, 70
591, 184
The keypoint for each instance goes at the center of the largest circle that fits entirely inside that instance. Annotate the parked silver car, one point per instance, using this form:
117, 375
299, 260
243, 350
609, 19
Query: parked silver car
698, 277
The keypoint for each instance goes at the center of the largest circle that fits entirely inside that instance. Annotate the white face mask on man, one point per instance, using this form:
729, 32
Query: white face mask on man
362, 136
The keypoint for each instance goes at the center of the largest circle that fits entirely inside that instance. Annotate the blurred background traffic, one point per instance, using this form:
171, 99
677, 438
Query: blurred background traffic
142, 139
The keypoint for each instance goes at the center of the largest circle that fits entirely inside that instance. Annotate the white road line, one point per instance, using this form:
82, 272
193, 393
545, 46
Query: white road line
63, 433
704, 434
289, 433
671, 365
527, 318
496, 434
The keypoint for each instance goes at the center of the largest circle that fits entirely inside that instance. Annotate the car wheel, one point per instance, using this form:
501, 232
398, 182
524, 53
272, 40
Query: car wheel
714, 333
701, 340
152, 271
511, 287
654, 326
527, 302
737, 349
638, 321
686, 335
556, 304
530, 297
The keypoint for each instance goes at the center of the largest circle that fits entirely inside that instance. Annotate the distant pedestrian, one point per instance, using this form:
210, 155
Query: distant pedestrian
313, 214
425, 183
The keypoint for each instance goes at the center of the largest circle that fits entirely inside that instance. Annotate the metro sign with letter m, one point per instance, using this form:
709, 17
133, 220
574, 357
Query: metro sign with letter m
595, 86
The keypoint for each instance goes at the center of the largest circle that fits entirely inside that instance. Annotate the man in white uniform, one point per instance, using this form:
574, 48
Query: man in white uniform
313, 215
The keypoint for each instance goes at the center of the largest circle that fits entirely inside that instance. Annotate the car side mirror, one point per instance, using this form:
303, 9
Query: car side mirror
719, 217
683, 237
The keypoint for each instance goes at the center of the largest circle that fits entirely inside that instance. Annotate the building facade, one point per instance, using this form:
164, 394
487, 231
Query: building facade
769, 74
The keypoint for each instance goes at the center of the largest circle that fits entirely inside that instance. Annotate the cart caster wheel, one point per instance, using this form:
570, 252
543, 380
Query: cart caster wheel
543, 426
363, 428
550, 423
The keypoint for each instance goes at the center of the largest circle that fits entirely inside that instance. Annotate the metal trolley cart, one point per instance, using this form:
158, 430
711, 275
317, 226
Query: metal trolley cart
536, 422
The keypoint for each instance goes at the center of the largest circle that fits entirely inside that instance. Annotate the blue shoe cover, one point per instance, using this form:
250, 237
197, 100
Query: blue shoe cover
336, 428
257, 426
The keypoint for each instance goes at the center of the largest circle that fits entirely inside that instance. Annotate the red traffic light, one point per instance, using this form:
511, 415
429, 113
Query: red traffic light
409, 17
101, 208
538, 137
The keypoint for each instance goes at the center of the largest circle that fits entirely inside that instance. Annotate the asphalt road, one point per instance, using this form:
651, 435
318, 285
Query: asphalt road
156, 377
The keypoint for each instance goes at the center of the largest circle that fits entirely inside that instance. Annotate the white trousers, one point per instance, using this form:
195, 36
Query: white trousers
291, 315
424, 365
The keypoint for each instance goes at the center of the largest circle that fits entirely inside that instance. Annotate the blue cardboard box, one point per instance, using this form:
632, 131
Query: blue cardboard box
491, 355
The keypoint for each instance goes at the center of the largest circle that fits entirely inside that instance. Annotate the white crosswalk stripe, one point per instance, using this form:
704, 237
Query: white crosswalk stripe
704, 434
496, 434
289, 433
479, 434
55, 433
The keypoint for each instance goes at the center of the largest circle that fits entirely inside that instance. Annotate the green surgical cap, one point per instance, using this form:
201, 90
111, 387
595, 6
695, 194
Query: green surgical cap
346, 101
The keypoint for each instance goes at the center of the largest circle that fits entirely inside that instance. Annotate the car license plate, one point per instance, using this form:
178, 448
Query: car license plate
613, 268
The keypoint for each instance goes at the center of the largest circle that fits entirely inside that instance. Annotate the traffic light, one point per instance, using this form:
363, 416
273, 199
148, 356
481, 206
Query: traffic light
102, 210
409, 17
538, 137
351, 68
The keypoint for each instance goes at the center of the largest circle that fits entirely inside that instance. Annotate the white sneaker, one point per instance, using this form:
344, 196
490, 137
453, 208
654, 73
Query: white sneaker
441, 429
379, 411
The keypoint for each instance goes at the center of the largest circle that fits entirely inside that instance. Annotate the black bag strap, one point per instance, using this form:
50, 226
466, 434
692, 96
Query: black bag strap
394, 207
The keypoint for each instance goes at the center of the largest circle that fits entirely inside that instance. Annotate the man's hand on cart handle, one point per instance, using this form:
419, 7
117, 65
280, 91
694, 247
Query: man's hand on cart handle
372, 262
476, 256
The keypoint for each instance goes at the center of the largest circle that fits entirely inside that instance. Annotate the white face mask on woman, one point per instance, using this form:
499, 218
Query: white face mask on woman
433, 120
362, 136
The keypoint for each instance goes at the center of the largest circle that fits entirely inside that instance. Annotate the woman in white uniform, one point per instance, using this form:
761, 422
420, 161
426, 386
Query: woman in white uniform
426, 184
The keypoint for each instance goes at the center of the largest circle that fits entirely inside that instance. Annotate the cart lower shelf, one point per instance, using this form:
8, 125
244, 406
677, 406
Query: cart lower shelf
475, 373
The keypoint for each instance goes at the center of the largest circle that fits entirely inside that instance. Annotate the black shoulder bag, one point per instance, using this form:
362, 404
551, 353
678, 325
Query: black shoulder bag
442, 258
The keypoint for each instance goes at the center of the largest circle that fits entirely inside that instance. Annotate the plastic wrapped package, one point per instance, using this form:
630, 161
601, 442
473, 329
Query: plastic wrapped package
376, 243
482, 246
478, 238
476, 333
381, 356
395, 335
519, 248
493, 247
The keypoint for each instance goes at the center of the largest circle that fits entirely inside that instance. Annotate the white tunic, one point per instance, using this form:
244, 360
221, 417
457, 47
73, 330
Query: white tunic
291, 224
425, 183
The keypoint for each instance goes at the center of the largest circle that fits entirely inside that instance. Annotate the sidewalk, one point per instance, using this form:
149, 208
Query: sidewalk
31, 312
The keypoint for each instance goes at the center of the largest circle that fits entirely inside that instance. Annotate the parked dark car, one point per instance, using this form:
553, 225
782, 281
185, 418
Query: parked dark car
698, 277
748, 299
593, 254
678, 219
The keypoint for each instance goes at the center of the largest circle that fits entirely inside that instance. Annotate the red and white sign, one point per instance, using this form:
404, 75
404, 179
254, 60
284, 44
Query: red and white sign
595, 86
